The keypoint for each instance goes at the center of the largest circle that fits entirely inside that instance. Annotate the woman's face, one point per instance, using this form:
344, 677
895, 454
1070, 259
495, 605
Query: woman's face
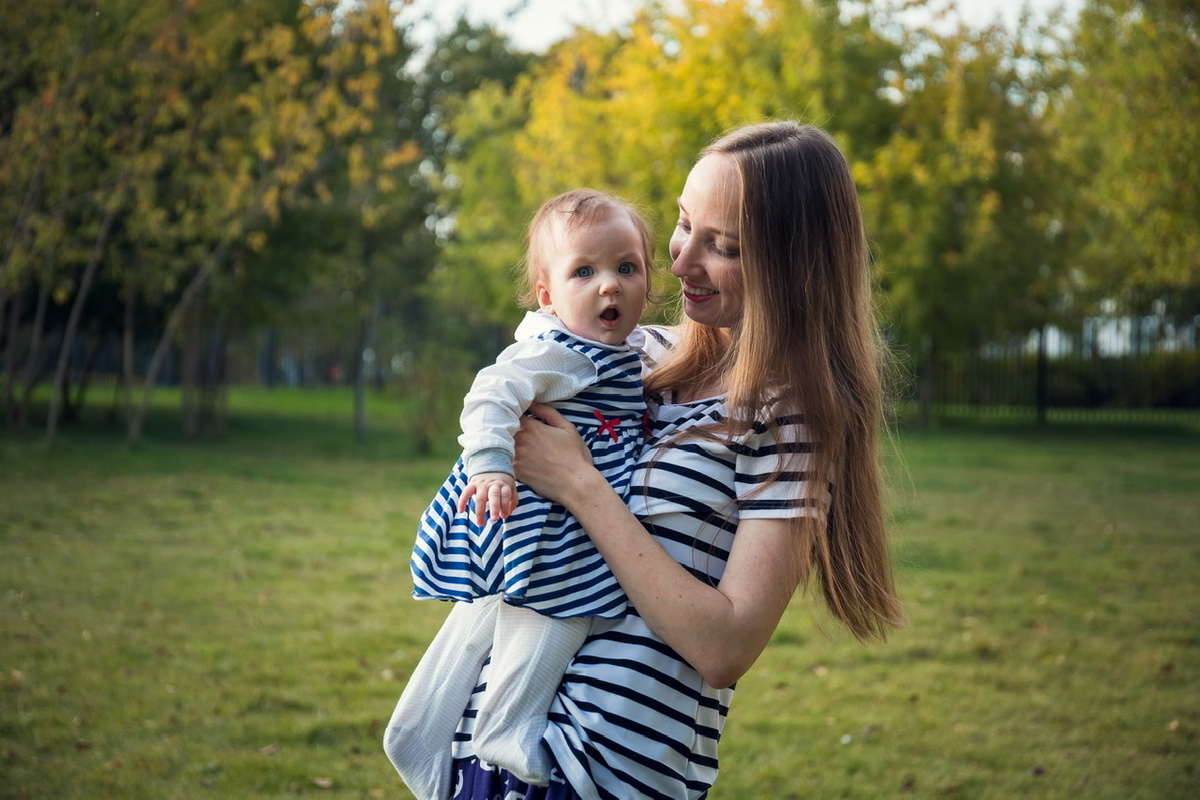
705, 252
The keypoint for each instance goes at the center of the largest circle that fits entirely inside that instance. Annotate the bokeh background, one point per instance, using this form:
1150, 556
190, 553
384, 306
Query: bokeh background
252, 251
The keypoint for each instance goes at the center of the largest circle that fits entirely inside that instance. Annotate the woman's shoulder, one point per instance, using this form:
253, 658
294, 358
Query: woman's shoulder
659, 341
667, 336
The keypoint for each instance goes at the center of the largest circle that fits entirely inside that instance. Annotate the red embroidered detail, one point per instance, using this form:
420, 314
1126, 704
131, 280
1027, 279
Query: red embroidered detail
647, 427
608, 426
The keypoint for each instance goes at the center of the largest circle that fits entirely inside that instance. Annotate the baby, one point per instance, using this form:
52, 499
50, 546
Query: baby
485, 537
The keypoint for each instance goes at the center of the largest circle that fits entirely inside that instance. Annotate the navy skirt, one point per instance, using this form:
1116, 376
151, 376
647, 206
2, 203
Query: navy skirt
478, 780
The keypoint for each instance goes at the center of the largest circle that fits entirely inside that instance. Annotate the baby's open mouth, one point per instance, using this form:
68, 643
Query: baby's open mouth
610, 314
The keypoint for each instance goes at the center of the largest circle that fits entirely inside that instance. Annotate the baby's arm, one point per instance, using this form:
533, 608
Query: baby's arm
526, 372
495, 491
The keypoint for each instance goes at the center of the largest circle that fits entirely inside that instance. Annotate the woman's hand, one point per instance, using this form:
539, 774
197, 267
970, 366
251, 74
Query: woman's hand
550, 454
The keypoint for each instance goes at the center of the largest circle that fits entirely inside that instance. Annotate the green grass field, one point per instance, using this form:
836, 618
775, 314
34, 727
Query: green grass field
231, 618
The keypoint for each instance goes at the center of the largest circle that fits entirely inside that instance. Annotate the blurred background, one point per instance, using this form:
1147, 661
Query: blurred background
271, 240
285, 193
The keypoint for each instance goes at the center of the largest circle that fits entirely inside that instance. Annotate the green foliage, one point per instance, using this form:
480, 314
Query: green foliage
171, 171
963, 201
629, 112
487, 242
968, 143
232, 617
470, 87
167, 138
1131, 126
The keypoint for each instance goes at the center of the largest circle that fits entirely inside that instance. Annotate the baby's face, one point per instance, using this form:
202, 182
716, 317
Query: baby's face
596, 279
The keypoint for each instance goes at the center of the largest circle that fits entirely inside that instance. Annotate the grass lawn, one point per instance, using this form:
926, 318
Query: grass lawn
231, 618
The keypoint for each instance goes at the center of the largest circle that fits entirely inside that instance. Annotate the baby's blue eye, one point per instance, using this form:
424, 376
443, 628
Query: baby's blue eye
627, 268
583, 272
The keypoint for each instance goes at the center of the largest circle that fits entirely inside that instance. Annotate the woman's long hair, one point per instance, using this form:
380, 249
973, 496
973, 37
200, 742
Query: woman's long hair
807, 343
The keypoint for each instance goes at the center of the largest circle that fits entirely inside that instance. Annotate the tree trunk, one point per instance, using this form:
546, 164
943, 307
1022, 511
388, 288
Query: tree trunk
73, 321
926, 385
1042, 391
366, 331
138, 418
189, 372
33, 366
270, 358
6, 370
74, 408
366, 325
10, 355
214, 396
128, 342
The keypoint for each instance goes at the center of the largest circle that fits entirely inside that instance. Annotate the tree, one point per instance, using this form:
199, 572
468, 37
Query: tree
963, 202
1131, 126
471, 103
71, 110
155, 145
630, 112
484, 230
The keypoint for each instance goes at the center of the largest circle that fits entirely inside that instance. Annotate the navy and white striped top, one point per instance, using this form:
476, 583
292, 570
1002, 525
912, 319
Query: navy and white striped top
539, 557
632, 718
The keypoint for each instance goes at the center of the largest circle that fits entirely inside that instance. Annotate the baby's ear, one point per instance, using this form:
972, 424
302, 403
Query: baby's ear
544, 301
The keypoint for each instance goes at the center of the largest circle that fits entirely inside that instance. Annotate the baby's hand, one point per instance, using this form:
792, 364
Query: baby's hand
495, 491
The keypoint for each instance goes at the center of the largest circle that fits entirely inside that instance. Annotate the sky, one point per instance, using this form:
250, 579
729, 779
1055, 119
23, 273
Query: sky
533, 25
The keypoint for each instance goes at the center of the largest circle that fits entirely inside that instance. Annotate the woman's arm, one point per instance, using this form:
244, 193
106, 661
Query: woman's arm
719, 630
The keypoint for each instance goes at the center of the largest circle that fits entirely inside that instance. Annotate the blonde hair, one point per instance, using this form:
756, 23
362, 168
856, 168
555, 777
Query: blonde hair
574, 209
807, 344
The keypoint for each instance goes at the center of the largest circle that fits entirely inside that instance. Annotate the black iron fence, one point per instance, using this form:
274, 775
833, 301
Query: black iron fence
1050, 375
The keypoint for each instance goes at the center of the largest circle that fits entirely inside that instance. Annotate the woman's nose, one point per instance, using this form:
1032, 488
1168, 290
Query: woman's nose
681, 257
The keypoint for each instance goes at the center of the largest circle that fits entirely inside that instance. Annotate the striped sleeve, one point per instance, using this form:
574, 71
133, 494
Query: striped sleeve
773, 478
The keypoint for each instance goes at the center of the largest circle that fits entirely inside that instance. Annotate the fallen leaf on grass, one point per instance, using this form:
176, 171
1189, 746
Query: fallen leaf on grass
269, 750
323, 783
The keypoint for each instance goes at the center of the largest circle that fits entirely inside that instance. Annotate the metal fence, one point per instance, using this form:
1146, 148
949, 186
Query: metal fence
1104, 372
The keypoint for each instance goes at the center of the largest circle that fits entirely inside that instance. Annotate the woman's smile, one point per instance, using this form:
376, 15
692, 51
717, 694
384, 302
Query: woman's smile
696, 294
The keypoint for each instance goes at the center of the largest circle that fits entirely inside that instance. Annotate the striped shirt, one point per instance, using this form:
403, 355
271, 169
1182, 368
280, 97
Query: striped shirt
631, 718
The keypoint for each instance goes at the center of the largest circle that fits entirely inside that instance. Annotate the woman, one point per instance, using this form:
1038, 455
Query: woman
762, 475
